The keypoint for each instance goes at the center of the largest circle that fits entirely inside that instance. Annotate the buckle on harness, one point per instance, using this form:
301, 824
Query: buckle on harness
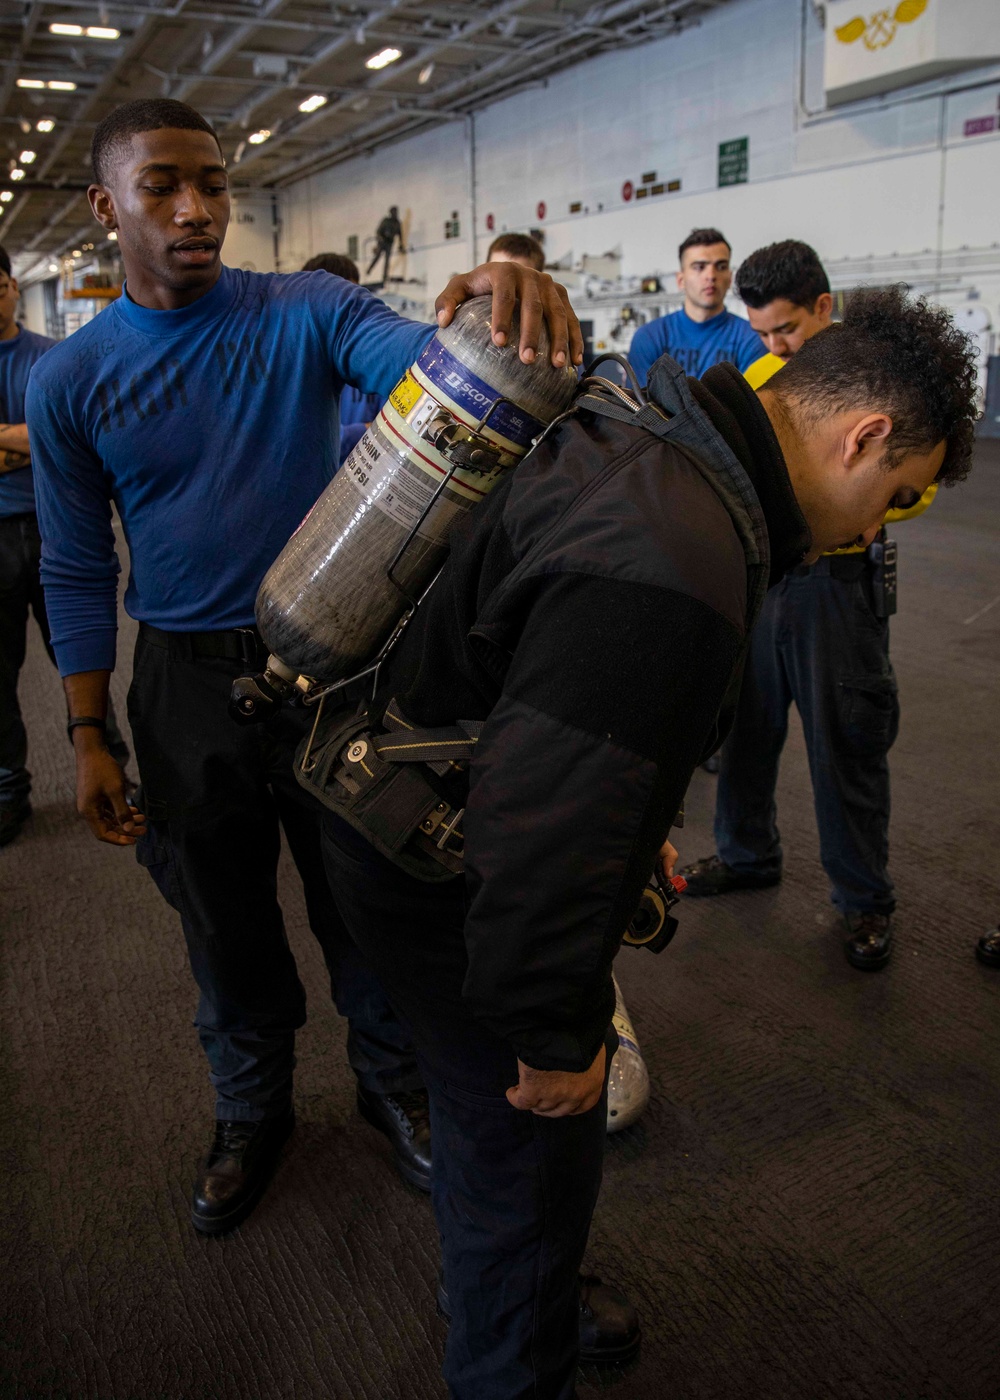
446, 820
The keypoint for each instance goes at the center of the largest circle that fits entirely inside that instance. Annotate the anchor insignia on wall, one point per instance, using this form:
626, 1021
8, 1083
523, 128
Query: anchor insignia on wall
879, 31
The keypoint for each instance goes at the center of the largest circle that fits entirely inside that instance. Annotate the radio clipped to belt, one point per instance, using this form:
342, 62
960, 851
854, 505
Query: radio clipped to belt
882, 557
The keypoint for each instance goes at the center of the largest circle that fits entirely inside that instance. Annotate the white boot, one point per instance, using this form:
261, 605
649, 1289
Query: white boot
628, 1086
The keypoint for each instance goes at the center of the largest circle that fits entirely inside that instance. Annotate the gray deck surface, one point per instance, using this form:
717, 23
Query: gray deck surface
809, 1209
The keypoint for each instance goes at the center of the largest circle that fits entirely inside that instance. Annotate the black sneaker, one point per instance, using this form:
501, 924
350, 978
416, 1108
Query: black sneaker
11, 821
236, 1171
609, 1324
870, 944
405, 1119
988, 948
710, 876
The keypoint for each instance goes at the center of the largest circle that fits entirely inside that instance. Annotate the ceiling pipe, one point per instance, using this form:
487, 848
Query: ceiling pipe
356, 142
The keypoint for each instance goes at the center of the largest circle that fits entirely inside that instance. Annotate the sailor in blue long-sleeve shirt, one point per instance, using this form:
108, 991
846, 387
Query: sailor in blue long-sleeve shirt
702, 333
204, 405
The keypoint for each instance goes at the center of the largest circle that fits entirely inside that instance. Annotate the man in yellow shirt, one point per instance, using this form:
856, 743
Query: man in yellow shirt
822, 641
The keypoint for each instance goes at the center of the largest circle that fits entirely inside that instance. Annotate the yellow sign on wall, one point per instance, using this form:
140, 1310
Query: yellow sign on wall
874, 48
879, 31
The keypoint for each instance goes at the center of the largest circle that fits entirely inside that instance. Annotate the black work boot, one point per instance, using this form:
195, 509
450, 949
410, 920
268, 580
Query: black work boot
988, 948
710, 875
870, 944
237, 1170
609, 1325
405, 1119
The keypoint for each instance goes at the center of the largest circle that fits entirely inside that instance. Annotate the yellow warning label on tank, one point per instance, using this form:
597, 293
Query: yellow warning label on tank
405, 395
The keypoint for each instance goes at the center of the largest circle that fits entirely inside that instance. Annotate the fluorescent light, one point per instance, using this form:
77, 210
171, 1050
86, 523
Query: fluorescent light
27, 157
257, 138
6, 196
53, 267
113, 236
30, 83
17, 173
76, 253
59, 85
45, 124
311, 104
383, 58
426, 73
92, 31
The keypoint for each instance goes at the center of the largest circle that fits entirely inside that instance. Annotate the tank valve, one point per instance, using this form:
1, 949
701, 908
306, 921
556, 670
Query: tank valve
259, 697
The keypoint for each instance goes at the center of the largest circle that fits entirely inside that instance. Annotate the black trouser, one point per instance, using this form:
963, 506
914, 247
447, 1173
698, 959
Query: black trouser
215, 794
513, 1193
21, 593
818, 643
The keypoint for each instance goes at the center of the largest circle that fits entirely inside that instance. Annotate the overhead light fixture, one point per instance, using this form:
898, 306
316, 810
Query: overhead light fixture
60, 85
76, 253
6, 196
17, 173
53, 267
312, 104
27, 157
30, 83
426, 73
257, 138
383, 58
90, 31
45, 124
113, 236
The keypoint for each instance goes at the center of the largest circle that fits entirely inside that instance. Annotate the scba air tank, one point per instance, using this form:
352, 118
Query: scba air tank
462, 415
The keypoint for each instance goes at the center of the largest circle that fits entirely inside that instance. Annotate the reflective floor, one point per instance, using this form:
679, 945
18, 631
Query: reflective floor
808, 1210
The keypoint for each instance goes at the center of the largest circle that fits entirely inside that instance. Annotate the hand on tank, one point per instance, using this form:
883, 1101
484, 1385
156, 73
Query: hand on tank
101, 799
554, 1094
540, 299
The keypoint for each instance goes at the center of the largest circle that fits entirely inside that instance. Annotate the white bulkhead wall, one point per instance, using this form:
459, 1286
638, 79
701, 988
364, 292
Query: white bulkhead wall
888, 187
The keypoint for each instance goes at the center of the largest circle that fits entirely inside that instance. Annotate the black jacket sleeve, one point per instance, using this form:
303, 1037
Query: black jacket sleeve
608, 704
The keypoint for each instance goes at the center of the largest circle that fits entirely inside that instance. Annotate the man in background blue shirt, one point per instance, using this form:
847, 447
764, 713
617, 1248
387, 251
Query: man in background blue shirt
20, 551
703, 333
205, 403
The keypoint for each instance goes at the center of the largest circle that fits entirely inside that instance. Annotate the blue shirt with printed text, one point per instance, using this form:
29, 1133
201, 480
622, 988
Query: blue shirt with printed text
17, 355
695, 345
213, 429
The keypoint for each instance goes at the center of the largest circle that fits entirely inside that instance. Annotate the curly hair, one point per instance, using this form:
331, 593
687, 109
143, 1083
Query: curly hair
790, 270
113, 134
899, 356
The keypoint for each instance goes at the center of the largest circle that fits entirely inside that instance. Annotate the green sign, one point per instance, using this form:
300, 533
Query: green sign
734, 161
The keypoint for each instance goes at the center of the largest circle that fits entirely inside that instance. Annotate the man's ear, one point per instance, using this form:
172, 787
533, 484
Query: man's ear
680, 280
867, 439
824, 304
103, 206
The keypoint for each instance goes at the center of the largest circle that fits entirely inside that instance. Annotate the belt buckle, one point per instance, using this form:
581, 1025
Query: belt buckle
249, 645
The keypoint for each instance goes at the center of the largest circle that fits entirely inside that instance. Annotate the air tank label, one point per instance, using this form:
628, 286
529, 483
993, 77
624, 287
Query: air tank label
402, 488
449, 380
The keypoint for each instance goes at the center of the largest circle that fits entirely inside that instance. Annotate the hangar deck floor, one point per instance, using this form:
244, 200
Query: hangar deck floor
809, 1210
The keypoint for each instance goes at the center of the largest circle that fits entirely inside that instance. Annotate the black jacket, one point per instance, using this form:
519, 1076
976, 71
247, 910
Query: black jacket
593, 611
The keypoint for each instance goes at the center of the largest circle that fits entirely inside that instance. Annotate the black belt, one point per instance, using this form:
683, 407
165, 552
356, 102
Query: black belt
241, 644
